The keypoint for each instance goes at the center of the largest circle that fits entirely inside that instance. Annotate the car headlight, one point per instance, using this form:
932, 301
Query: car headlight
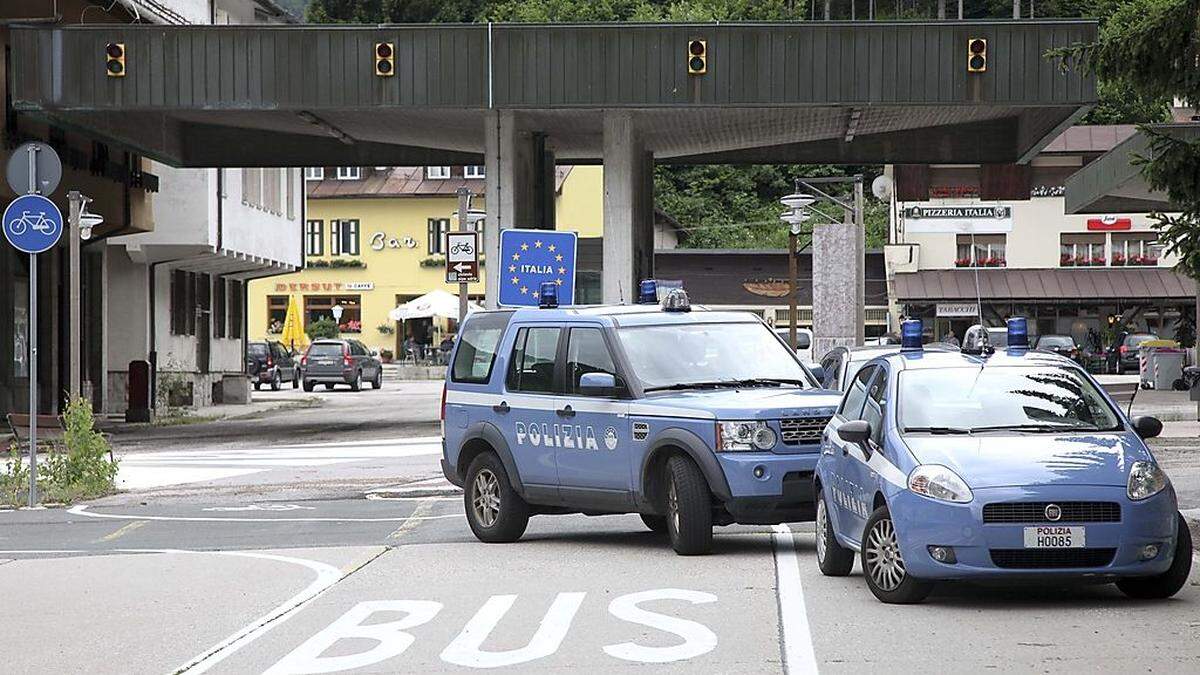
744, 436
938, 482
1146, 480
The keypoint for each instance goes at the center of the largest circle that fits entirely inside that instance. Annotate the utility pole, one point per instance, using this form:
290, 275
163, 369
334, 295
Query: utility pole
75, 200
792, 310
464, 205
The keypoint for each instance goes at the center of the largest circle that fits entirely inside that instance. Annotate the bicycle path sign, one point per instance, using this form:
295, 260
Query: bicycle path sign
32, 224
462, 257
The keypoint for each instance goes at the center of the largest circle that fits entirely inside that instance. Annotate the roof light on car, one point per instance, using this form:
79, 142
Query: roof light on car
976, 341
548, 295
1018, 333
648, 292
676, 300
910, 335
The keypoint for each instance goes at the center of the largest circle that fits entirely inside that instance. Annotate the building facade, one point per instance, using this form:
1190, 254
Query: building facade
1085, 276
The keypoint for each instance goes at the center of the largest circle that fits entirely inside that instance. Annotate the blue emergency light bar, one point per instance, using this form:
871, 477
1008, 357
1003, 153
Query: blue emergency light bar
910, 335
648, 292
548, 295
1018, 333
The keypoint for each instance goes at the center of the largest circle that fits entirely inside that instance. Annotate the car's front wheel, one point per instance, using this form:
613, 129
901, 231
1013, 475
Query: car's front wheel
495, 512
689, 507
833, 560
1168, 583
883, 566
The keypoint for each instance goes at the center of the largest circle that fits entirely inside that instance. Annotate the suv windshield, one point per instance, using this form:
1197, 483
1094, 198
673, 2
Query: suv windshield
1018, 398
710, 355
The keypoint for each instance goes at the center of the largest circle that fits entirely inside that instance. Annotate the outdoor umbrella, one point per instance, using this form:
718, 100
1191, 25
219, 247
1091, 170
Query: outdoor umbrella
436, 303
293, 332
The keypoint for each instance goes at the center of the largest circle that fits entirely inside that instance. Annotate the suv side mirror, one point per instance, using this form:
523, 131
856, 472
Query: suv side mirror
598, 384
1147, 426
855, 431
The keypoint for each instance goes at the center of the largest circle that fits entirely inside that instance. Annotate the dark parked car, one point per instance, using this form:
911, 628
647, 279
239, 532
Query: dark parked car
331, 362
1125, 353
1063, 345
271, 363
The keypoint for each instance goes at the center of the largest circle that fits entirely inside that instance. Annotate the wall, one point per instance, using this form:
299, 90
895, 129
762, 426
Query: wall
251, 229
580, 206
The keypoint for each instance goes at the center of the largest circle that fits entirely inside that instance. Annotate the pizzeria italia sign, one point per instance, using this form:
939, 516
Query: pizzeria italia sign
965, 219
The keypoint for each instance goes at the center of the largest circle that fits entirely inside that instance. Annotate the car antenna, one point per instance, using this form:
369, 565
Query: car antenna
620, 293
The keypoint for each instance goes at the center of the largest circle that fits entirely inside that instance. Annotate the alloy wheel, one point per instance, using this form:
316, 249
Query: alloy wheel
884, 563
485, 498
673, 505
821, 525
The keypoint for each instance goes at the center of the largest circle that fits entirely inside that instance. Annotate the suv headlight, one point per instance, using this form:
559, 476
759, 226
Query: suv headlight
1146, 480
745, 436
938, 482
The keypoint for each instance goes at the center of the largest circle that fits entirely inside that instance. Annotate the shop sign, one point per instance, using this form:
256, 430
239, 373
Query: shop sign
359, 286
978, 219
323, 286
1109, 224
1047, 191
953, 191
956, 310
380, 241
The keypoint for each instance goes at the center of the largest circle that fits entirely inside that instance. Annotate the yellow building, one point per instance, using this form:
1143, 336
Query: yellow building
374, 238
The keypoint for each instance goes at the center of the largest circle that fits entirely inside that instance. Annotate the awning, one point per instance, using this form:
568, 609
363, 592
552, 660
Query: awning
436, 303
1046, 285
1112, 184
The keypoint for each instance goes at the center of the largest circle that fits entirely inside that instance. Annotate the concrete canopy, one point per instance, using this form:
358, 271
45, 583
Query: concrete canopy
796, 92
1113, 184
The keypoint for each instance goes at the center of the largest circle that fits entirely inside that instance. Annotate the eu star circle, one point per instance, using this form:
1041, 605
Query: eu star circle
32, 224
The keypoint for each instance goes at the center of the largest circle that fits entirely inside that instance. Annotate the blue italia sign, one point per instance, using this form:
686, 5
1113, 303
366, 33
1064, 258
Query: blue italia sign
529, 258
32, 224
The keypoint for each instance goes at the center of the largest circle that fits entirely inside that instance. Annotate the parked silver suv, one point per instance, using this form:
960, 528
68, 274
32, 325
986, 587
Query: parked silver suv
331, 362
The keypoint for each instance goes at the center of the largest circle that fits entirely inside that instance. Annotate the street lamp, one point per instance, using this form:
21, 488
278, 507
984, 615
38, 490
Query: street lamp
797, 204
337, 317
798, 201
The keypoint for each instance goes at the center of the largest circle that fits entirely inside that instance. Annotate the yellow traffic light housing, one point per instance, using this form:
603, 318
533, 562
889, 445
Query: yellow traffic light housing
976, 55
697, 63
385, 59
114, 59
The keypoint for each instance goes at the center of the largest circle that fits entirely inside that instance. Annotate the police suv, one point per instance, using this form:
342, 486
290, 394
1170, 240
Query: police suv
689, 418
993, 464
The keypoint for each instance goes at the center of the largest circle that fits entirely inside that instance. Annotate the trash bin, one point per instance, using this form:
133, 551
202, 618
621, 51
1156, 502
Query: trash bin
1161, 367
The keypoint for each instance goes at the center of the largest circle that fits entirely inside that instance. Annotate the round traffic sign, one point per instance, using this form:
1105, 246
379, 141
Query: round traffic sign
46, 168
32, 223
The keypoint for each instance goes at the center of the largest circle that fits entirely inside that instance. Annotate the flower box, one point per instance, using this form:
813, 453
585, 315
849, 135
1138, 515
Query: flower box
962, 262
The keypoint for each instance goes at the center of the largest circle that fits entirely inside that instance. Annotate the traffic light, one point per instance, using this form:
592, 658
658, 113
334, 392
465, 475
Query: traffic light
976, 55
697, 57
385, 59
114, 57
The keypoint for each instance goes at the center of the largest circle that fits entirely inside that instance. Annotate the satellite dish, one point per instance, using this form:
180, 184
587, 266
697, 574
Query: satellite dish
881, 187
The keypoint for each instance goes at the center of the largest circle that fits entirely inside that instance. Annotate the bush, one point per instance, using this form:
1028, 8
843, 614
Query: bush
84, 469
322, 328
14, 482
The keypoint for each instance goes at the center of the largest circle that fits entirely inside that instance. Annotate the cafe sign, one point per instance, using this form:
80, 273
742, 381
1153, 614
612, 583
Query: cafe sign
323, 286
976, 219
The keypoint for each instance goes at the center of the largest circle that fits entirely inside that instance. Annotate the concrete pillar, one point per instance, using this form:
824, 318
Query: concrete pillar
839, 251
628, 210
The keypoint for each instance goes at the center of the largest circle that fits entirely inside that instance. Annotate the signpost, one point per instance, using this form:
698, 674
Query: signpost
462, 257
528, 258
33, 225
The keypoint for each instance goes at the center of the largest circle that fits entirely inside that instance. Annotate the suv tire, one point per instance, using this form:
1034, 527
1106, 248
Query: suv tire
1168, 583
655, 523
832, 559
689, 507
377, 383
308, 386
257, 386
295, 379
495, 512
882, 565
356, 385
276, 381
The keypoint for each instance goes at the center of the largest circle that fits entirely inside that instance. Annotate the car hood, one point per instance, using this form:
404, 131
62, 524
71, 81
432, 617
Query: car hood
750, 403
1001, 460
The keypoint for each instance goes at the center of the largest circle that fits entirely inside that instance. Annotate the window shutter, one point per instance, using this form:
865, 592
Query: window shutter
335, 237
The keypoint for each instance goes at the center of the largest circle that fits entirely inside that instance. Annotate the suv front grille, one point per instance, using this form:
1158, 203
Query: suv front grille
1035, 512
802, 430
1051, 558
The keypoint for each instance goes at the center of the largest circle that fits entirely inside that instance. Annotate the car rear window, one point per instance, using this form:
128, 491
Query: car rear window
1139, 338
325, 349
256, 350
477, 344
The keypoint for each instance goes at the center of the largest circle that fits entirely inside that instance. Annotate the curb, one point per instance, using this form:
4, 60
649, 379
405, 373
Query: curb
414, 492
1192, 518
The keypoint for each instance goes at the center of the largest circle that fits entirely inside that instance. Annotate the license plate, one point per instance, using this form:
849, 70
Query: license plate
1054, 536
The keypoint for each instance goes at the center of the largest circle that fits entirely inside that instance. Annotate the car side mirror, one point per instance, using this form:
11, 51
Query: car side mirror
1146, 426
598, 384
855, 431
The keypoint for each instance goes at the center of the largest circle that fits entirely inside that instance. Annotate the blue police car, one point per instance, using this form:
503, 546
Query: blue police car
690, 418
986, 464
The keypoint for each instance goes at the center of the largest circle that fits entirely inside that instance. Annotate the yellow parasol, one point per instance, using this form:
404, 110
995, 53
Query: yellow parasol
293, 335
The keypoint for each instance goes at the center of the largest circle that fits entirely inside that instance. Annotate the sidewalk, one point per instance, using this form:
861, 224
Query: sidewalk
261, 404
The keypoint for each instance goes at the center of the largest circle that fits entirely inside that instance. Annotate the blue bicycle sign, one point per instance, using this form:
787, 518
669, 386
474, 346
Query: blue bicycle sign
32, 223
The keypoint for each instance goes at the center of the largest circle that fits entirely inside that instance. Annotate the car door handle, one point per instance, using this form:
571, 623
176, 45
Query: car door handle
566, 412
502, 407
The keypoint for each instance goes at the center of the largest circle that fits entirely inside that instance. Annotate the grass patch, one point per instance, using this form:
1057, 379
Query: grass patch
79, 467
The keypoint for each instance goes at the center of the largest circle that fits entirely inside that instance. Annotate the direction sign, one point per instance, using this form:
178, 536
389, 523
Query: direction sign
32, 223
529, 258
462, 257
45, 164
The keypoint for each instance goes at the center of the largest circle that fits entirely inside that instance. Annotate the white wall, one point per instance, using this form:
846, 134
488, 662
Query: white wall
250, 229
182, 209
178, 352
128, 327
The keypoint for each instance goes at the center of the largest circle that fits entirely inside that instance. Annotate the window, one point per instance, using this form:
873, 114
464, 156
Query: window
276, 312
832, 365
852, 405
876, 406
587, 353
272, 200
315, 237
1081, 250
349, 173
435, 233
289, 176
473, 171
237, 310
987, 250
437, 172
477, 347
1135, 249
533, 360
314, 173
318, 307
220, 295
183, 303
343, 237
252, 187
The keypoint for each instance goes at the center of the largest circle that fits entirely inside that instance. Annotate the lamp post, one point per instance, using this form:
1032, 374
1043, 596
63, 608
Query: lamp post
797, 204
337, 311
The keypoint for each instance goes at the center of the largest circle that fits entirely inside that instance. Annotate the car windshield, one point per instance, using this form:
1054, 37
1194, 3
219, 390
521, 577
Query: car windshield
1055, 341
710, 355
325, 349
1018, 398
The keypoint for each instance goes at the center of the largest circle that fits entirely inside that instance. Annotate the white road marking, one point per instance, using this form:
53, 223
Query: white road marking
697, 638
798, 656
389, 637
82, 510
465, 648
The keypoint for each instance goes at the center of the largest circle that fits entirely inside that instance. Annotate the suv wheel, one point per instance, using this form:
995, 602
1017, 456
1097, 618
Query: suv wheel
276, 381
655, 523
308, 386
1168, 583
833, 560
356, 385
377, 383
689, 507
495, 512
295, 379
883, 567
